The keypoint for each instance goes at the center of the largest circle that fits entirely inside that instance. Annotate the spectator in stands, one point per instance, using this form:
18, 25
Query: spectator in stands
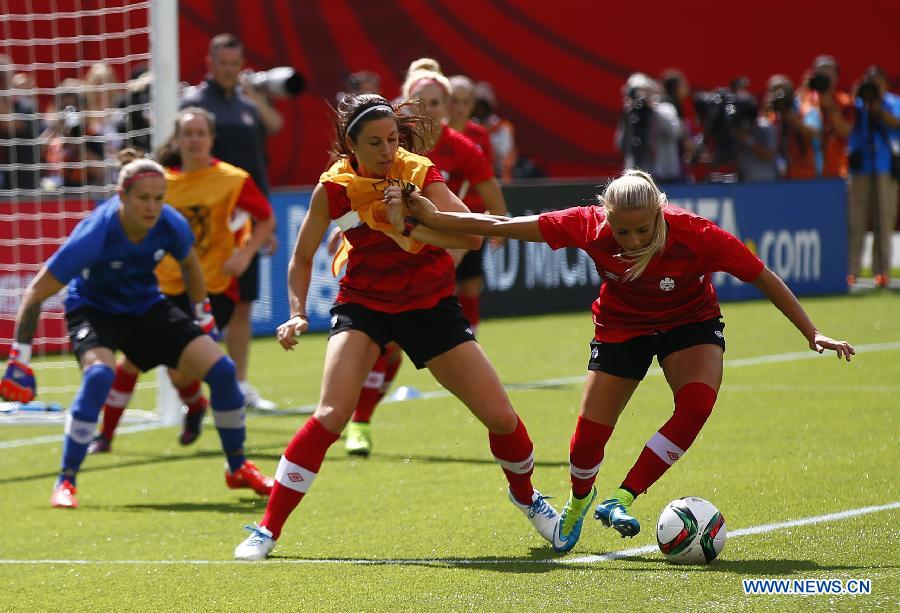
133, 115
101, 129
244, 117
503, 135
22, 156
650, 132
755, 142
75, 160
677, 92
821, 97
798, 134
874, 167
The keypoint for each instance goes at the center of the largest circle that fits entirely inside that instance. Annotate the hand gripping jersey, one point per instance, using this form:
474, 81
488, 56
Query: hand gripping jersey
107, 271
207, 198
385, 271
675, 288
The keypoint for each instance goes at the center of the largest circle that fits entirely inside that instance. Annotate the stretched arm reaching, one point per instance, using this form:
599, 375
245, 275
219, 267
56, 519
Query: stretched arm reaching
783, 298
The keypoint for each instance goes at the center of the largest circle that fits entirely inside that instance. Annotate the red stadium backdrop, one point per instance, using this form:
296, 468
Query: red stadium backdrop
557, 72
557, 66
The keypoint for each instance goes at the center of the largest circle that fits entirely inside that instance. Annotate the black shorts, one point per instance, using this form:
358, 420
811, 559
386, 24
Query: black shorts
422, 333
222, 307
631, 359
157, 337
471, 266
248, 283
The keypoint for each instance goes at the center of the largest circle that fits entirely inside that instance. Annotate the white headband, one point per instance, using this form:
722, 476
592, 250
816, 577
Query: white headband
371, 108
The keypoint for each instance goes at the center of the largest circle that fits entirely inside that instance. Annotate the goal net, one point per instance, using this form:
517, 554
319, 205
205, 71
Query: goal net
75, 88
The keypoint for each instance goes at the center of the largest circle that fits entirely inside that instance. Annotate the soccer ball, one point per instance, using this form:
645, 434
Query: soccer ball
690, 530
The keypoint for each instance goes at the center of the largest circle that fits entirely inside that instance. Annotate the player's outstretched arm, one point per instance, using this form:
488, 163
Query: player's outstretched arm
18, 381
523, 228
782, 297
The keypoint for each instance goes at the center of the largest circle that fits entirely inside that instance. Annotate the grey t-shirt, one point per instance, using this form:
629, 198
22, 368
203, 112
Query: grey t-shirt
751, 167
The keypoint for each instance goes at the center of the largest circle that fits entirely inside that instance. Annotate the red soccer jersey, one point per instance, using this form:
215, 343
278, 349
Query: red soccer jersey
675, 288
478, 134
382, 276
461, 160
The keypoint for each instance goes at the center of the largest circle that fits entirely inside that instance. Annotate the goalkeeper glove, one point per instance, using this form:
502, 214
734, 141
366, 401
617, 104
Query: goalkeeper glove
18, 382
204, 318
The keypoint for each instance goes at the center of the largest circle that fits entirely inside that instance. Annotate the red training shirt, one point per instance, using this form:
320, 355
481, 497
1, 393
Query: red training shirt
382, 276
460, 160
675, 288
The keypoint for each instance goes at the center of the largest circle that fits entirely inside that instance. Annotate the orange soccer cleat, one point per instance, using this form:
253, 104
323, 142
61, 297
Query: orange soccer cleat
882, 281
248, 476
63, 496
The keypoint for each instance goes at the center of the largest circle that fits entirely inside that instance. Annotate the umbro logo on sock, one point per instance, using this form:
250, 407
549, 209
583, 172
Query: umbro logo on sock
295, 477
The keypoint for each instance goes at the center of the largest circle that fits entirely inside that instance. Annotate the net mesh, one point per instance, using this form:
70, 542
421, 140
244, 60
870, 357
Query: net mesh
74, 90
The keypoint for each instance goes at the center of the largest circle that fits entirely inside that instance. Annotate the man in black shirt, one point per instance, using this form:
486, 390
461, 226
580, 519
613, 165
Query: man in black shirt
244, 118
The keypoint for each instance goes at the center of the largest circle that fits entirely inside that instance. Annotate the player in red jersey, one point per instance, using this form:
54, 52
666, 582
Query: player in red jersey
656, 299
398, 287
468, 173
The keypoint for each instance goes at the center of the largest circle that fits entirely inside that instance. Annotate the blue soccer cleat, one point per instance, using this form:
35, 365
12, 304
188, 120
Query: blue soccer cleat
614, 513
571, 520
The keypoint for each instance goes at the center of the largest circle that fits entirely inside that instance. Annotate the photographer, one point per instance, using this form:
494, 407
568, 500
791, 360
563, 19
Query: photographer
244, 117
798, 133
874, 160
835, 107
650, 132
755, 141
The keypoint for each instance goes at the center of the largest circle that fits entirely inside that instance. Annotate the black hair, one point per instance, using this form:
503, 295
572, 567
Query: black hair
411, 127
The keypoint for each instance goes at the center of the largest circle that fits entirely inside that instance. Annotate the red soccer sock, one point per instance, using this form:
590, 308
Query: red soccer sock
515, 453
371, 392
119, 395
193, 398
693, 406
471, 309
296, 471
586, 454
383, 373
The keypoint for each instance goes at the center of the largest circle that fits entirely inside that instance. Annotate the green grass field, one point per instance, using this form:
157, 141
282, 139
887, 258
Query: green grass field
424, 524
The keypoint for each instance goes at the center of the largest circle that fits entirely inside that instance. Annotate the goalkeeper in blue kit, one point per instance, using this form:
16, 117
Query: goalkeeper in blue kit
114, 303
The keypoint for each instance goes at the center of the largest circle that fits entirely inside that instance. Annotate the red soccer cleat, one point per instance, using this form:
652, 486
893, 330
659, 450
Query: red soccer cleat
63, 496
248, 476
882, 281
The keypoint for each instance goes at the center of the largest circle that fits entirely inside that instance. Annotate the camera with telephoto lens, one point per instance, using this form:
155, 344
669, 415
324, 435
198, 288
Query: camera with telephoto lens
819, 82
279, 82
868, 91
638, 115
780, 100
722, 112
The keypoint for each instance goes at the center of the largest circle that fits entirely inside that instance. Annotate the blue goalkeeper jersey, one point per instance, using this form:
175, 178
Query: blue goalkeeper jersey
107, 271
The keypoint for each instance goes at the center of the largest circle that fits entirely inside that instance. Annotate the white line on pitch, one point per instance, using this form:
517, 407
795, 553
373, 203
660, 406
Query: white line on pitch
57, 438
616, 555
513, 387
806, 521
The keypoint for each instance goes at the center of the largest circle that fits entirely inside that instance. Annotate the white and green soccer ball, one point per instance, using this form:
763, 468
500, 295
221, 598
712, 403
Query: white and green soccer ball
690, 530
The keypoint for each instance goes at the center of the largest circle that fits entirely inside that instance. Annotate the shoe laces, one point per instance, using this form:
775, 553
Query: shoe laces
539, 507
257, 536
